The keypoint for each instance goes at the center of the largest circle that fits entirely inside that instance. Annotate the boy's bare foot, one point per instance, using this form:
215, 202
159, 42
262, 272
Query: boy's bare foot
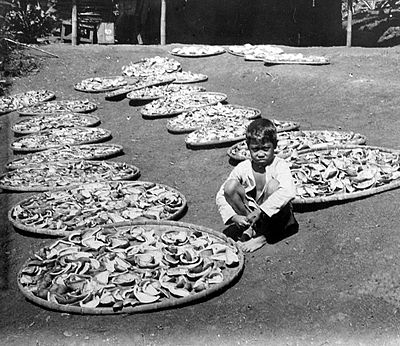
250, 232
253, 244
247, 235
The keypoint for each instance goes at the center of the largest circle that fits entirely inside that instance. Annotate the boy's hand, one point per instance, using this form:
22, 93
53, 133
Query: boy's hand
254, 216
240, 221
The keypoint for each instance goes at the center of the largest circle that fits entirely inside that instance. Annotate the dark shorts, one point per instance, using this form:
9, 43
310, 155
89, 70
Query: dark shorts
274, 228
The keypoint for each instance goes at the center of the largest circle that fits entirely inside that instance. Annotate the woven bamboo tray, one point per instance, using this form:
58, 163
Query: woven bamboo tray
90, 107
159, 96
230, 276
244, 54
129, 80
359, 141
135, 174
121, 92
183, 55
179, 130
252, 58
51, 95
143, 99
147, 115
47, 155
127, 89
184, 130
234, 53
171, 66
7, 111
291, 127
200, 78
348, 196
289, 62
59, 233
91, 121
213, 143
107, 135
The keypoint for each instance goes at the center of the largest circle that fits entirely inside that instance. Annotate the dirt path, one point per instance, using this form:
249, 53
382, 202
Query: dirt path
334, 282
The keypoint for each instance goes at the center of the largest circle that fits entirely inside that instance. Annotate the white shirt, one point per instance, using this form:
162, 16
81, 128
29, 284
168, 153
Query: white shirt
279, 170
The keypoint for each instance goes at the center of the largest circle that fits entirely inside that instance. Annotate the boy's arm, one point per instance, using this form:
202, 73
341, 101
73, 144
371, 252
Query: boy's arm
284, 194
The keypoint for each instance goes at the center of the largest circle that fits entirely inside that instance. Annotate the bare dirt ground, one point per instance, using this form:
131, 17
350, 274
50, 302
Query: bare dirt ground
334, 282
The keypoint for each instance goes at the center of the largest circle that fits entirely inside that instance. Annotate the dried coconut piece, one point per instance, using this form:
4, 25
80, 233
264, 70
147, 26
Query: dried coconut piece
125, 279
174, 237
145, 298
215, 277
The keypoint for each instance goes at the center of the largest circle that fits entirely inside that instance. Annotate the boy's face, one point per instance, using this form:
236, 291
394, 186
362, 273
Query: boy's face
262, 152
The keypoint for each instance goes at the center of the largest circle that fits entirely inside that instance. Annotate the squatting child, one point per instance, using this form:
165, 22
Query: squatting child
255, 199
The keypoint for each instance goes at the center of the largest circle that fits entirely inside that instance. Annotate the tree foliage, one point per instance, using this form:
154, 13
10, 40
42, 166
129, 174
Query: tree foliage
371, 5
27, 20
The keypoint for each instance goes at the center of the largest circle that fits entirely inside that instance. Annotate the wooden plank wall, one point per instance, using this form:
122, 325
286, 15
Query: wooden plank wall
292, 22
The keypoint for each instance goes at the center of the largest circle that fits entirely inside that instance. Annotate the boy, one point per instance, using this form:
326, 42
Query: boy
256, 196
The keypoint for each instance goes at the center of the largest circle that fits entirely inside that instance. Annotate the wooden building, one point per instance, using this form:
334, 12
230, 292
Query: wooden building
291, 22
91, 14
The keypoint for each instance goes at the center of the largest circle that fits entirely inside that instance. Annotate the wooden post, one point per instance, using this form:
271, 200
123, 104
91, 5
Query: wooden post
163, 22
349, 22
74, 23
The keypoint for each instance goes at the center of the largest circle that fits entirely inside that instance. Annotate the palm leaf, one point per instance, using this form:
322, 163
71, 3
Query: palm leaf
6, 3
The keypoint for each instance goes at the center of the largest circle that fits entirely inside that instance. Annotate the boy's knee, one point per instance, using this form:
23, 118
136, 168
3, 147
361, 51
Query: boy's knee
231, 188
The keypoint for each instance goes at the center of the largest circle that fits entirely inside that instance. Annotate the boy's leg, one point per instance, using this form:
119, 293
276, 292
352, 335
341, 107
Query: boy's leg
235, 195
261, 228
279, 224
257, 239
282, 222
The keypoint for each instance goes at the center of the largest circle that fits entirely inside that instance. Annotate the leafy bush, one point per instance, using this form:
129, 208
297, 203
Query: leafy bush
27, 20
13, 60
370, 5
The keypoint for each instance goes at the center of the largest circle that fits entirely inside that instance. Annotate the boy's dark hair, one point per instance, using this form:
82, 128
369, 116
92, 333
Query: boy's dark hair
262, 130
